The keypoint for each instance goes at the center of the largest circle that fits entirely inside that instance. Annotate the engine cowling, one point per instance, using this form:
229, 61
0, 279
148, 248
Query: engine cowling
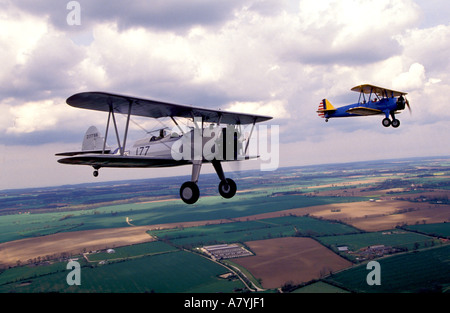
401, 103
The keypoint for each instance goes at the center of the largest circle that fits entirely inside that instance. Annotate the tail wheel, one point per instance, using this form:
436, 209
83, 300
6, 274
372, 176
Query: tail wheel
96, 168
227, 188
386, 122
189, 192
395, 123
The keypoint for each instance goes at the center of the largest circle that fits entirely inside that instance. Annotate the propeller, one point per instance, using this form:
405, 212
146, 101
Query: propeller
401, 101
407, 104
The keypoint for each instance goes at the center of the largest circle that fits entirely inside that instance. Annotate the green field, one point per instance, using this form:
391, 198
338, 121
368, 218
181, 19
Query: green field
424, 271
252, 230
21, 226
394, 238
178, 271
133, 251
437, 229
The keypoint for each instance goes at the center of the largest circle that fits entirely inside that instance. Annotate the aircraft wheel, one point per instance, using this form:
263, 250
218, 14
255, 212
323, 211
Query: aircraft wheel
189, 192
228, 189
386, 122
95, 173
395, 123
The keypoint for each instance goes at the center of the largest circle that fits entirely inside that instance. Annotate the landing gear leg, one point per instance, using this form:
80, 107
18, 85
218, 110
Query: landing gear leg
387, 122
395, 123
227, 186
189, 191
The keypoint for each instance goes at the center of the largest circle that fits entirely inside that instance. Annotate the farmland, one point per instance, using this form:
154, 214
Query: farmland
424, 271
166, 272
308, 227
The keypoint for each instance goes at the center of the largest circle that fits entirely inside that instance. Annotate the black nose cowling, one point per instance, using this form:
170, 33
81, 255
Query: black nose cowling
401, 103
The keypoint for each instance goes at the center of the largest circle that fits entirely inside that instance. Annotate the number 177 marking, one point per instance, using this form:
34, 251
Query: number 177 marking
146, 148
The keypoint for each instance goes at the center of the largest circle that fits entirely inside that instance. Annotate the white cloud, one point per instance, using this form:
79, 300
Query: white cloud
277, 58
36, 116
20, 35
275, 108
350, 31
429, 46
412, 79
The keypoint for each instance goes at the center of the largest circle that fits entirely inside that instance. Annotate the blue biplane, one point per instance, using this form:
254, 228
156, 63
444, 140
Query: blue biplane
379, 101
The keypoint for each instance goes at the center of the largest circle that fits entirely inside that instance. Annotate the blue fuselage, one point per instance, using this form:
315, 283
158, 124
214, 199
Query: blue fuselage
385, 106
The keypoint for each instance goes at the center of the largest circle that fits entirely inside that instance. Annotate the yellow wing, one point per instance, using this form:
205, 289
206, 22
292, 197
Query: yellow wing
364, 111
384, 92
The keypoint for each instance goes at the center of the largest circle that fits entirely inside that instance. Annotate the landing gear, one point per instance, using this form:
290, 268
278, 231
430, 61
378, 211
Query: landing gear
395, 123
189, 192
96, 168
387, 122
227, 188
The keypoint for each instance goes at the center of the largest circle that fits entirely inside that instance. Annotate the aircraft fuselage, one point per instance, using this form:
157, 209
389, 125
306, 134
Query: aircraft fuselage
383, 106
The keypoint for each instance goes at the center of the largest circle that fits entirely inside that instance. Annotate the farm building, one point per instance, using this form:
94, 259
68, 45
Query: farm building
226, 251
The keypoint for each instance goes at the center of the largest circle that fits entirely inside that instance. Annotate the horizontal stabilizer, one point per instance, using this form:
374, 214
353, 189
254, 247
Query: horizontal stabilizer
93, 143
82, 152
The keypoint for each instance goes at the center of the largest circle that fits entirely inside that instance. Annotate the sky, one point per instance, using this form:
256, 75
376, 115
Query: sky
270, 57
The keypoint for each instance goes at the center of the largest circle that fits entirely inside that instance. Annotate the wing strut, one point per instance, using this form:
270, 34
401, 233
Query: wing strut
126, 127
106, 132
250, 136
111, 114
181, 130
115, 127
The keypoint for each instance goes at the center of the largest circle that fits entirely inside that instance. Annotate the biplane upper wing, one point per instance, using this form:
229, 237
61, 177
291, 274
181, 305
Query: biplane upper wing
367, 88
101, 101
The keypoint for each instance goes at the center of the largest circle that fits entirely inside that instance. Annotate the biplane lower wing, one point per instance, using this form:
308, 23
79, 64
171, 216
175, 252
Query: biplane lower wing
98, 161
364, 111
